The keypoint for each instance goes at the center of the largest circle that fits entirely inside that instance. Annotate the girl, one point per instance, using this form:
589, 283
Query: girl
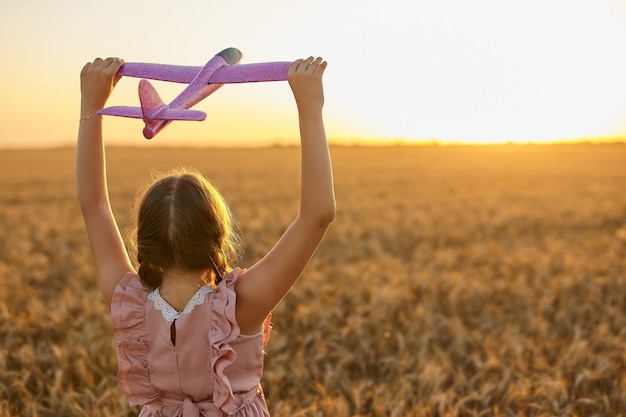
190, 326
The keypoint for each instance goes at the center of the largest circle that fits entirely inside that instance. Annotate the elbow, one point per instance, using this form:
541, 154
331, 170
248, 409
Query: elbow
88, 201
90, 197
325, 217
329, 216
84, 200
320, 218
83, 197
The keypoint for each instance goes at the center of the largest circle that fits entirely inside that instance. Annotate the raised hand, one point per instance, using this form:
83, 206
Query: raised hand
97, 80
305, 80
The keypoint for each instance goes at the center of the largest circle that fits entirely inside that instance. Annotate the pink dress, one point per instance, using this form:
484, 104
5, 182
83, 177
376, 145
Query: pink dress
191, 363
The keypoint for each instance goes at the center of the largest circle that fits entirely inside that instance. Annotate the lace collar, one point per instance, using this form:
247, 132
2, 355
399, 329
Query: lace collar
170, 313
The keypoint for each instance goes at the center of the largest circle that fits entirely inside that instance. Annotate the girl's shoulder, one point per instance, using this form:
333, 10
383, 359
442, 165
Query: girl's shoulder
229, 280
130, 284
131, 280
129, 296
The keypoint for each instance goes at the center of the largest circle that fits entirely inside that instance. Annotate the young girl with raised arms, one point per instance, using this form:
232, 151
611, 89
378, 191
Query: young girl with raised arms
190, 324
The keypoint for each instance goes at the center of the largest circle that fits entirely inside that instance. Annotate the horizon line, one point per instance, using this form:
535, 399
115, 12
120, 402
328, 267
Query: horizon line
360, 142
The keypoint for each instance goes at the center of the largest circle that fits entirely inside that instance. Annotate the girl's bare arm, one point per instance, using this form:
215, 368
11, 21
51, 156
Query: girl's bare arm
109, 253
263, 286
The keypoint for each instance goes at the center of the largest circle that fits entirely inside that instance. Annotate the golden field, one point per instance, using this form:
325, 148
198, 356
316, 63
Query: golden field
455, 281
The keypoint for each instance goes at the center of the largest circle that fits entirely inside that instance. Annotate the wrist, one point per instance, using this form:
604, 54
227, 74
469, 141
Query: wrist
309, 108
310, 115
87, 113
86, 117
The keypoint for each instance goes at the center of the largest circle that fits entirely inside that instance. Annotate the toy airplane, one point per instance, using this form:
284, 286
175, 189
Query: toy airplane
203, 81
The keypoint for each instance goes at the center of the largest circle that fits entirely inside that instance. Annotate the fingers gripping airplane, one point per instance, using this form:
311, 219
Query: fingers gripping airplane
203, 81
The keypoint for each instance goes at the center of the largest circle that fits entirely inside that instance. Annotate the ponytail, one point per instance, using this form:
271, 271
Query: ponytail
150, 274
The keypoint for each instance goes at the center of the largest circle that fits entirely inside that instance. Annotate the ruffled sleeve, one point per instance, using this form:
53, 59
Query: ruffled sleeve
128, 316
224, 330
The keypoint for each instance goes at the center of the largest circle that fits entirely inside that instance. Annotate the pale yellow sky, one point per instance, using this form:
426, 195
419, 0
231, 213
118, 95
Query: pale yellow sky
447, 70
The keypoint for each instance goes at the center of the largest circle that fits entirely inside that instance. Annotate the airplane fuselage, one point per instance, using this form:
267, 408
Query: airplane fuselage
195, 92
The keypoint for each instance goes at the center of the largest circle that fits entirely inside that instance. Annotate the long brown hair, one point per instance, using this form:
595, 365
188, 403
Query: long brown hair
182, 221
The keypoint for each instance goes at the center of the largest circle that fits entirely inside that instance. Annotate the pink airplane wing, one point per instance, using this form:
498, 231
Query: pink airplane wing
228, 74
246, 73
168, 114
161, 72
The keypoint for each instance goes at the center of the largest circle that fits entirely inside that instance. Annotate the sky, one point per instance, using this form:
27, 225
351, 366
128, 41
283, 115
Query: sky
452, 71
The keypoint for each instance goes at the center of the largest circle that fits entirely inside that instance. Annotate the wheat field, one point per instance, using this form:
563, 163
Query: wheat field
455, 281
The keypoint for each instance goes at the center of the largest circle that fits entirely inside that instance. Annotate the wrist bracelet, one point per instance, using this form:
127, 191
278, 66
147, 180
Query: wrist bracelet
82, 119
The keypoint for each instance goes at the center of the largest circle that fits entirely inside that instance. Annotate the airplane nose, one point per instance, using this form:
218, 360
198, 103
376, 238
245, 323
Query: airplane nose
148, 133
231, 55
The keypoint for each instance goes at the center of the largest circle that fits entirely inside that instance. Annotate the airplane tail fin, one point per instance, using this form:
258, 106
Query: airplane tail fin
151, 103
157, 114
